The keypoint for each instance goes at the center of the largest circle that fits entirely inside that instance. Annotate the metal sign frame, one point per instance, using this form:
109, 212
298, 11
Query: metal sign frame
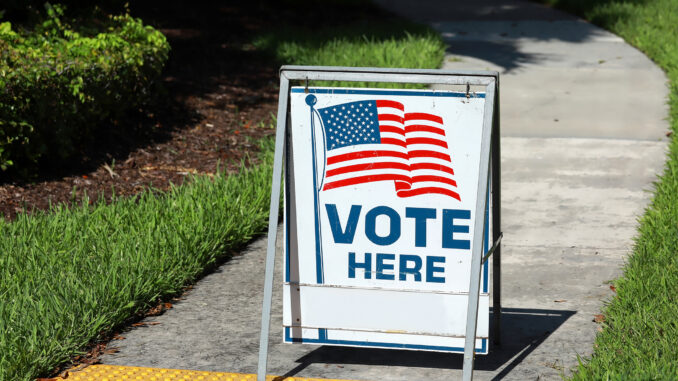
489, 156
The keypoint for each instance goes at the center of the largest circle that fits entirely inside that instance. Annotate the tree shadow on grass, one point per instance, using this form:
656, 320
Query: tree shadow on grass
234, 48
216, 63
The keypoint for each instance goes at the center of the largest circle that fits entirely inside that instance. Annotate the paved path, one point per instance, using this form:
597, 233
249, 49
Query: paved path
583, 137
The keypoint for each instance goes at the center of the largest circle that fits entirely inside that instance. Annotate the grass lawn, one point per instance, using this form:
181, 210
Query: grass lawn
640, 336
389, 44
70, 274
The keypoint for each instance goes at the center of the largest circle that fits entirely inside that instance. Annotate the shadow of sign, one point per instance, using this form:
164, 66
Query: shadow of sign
523, 331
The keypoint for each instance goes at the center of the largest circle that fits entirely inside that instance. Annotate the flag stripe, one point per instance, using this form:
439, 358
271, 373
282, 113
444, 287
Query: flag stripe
423, 116
393, 104
368, 166
424, 128
418, 191
432, 141
364, 179
362, 154
439, 179
393, 141
428, 153
432, 166
392, 129
390, 117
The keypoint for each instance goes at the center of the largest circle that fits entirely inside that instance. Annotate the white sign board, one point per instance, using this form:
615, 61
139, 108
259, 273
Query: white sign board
381, 190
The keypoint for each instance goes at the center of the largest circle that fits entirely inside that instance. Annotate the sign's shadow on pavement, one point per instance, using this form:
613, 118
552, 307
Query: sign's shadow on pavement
523, 330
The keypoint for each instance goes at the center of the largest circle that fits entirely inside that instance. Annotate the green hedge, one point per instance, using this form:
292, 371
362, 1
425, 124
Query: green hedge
58, 83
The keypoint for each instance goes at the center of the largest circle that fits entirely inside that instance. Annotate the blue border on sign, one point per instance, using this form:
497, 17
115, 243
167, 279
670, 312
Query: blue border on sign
433, 93
287, 245
324, 340
322, 332
487, 238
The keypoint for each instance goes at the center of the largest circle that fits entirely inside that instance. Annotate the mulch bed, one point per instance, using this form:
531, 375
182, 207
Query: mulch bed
217, 99
218, 96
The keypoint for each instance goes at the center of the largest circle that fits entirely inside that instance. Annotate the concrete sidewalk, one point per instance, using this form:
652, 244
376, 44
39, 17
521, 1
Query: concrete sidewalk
583, 137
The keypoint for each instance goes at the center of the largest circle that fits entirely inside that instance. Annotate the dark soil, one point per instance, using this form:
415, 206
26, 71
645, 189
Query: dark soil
218, 95
216, 99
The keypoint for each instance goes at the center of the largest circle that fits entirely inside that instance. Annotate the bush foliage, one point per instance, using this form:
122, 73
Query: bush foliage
58, 83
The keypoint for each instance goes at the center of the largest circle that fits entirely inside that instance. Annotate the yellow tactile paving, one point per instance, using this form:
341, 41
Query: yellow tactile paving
129, 373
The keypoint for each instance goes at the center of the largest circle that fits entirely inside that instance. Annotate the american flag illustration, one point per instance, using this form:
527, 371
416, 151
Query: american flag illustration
376, 140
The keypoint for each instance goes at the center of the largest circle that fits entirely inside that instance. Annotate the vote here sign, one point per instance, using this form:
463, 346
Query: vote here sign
381, 189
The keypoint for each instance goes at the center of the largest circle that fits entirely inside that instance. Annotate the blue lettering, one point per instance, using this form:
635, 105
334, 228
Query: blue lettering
381, 266
420, 216
407, 265
367, 265
343, 235
431, 269
370, 225
449, 228
415, 270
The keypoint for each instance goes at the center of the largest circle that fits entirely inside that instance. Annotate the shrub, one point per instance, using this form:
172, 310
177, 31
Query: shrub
57, 84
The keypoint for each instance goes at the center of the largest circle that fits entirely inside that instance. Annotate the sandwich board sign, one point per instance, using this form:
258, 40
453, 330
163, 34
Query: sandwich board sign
387, 212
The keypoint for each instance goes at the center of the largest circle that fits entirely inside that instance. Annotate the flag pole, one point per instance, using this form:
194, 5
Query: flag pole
311, 100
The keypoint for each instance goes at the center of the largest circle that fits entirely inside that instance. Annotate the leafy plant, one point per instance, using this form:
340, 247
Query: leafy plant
58, 83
